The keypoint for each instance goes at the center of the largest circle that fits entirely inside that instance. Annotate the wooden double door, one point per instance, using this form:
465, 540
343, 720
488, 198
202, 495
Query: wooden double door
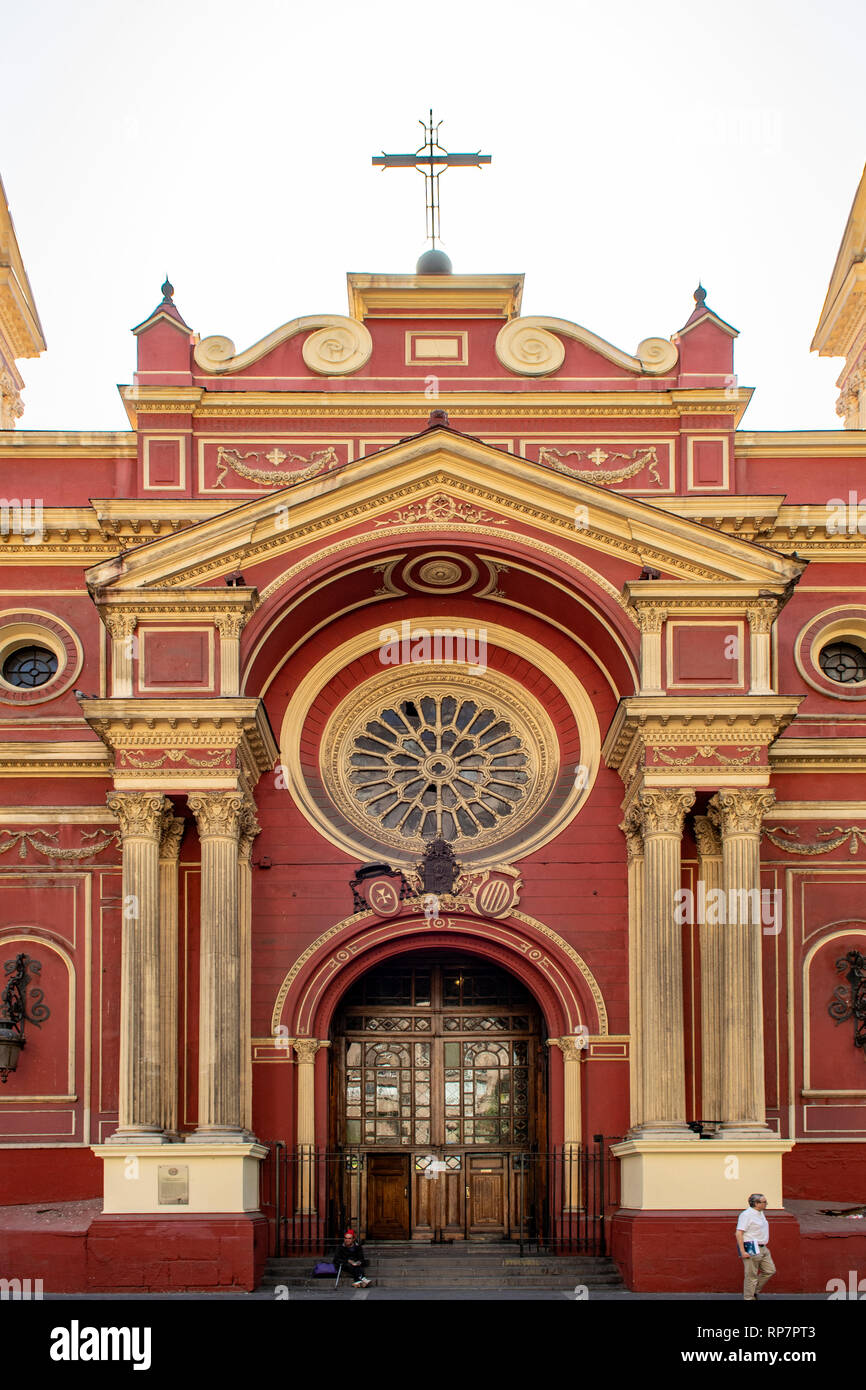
424, 1197
437, 1085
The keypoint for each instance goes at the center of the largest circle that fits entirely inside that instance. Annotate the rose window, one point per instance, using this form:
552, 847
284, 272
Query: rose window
439, 765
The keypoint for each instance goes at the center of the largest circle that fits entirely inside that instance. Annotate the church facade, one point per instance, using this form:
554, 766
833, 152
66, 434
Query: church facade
433, 742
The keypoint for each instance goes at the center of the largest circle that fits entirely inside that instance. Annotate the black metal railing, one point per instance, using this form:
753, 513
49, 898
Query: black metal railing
555, 1202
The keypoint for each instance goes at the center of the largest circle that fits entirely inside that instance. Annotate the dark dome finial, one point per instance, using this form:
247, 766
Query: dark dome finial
167, 290
700, 296
433, 261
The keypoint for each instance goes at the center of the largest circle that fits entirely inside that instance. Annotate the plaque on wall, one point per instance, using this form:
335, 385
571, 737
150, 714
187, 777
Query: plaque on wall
173, 1185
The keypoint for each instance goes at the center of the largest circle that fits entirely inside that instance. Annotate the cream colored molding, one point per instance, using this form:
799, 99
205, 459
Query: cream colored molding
448, 296
814, 443
336, 346
816, 810
69, 444
819, 755
409, 406
43, 759
56, 815
531, 346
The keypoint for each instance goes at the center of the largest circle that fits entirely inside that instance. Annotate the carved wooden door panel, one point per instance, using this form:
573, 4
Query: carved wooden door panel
388, 1197
486, 1195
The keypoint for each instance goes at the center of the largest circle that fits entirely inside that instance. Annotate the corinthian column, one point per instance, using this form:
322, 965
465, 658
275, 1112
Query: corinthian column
658, 813
711, 933
738, 814
306, 1049
220, 1120
140, 1103
250, 828
169, 852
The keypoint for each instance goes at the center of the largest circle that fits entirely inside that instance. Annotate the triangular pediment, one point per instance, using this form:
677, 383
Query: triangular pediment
443, 480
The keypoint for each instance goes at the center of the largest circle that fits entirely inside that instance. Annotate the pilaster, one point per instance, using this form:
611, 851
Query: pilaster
169, 853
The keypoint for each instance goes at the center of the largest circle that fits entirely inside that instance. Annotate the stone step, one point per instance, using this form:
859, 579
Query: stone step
441, 1282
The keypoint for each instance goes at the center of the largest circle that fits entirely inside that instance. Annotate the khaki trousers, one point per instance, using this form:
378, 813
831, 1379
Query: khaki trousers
757, 1269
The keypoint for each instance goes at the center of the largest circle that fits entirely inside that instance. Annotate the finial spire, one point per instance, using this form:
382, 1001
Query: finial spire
167, 290
700, 296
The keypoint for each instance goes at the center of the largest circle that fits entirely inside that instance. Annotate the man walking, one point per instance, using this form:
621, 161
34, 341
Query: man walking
753, 1236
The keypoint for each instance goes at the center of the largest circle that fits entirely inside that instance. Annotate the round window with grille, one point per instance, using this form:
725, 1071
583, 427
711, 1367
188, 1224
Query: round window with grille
28, 667
843, 662
418, 756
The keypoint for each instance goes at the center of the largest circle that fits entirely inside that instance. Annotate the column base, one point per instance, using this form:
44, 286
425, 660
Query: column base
131, 1137
662, 1133
218, 1134
663, 1175
744, 1133
174, 1179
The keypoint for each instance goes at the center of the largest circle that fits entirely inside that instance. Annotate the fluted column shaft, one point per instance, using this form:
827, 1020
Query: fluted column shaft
659, 815
219, 816
710, 934
169, 851
738, 814
140, 1102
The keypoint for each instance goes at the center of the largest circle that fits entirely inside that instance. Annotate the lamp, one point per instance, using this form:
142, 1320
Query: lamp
14, 1010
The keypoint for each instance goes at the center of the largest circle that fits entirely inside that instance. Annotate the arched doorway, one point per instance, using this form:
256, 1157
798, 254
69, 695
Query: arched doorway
438, 1092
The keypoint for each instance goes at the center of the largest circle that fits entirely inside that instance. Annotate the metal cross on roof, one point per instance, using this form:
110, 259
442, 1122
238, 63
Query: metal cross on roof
431, 160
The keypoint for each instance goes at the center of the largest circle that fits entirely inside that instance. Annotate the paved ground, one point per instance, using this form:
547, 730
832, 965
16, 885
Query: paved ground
434, 1295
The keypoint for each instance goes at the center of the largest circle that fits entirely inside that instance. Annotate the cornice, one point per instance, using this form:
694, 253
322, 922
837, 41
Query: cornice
645, 721
815, 443
819, 755
44, 759
166, 725
68, 444
366, 404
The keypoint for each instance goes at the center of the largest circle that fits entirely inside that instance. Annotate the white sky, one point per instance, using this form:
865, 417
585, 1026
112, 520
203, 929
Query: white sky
636, 147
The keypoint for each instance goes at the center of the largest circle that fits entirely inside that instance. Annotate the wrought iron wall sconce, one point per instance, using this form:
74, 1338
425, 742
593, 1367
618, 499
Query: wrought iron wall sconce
850, 1000
16, 1010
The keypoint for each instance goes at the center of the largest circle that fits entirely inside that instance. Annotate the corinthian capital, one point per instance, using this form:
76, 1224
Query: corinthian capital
660, 810
761, 616
232, 623
218, 813
631, 829
651, 616
740, 810
120, 622
307, 1048
140, 813
172, 834
707, 838
250, 828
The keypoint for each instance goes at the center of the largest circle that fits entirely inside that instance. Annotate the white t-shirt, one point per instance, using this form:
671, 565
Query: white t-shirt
754, 1226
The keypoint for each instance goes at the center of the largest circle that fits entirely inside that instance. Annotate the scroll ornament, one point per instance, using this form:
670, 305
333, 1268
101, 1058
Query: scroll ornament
335, 346
533, 346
